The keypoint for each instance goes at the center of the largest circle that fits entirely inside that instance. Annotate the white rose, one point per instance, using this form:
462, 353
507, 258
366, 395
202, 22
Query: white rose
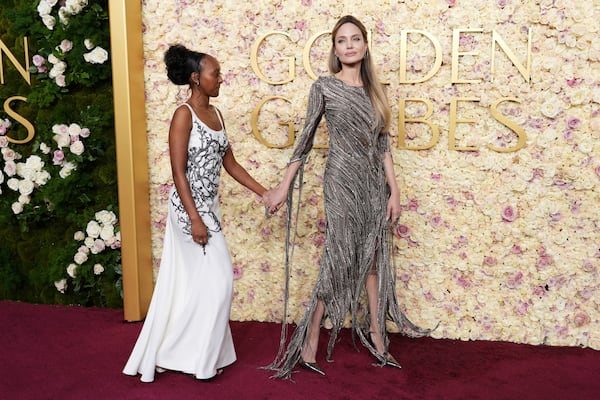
42, 177
17, 208
93, 229
35, 163
62, 140
96, 56
61, 285
49, 21
77, 147
24, 199
53, 59
79, 236
64, 172
98, 269
67, 168
89, 242
106, 217
585, 146
88, 44
594, 125
63, 16
13, 184
551, 108
44, 148
57, 70
84, 249
72, 270
44, 8
26, 187
74, 130
24, 171
80, 258
107, 232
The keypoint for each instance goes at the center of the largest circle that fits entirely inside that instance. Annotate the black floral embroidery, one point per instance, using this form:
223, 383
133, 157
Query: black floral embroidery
206, 149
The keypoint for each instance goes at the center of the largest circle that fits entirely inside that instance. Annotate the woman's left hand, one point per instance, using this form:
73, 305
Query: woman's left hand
393, 210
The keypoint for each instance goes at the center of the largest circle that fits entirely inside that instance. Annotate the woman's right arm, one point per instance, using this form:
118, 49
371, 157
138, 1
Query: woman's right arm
275, 198
179, 136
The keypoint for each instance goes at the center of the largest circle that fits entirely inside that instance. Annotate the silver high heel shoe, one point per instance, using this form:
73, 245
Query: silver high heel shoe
312, 367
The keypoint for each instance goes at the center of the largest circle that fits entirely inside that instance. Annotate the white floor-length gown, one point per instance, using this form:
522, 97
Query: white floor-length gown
187, 325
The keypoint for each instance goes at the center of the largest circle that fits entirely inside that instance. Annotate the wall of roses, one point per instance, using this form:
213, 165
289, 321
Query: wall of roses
58, 195
494, 245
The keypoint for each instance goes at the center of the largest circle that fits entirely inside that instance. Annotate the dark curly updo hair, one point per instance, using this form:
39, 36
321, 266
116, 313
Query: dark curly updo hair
181, 63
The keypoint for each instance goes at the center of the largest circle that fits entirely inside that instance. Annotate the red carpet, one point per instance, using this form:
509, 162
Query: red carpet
57, 352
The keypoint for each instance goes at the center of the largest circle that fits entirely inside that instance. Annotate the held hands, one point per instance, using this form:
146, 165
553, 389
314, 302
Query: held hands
274, 199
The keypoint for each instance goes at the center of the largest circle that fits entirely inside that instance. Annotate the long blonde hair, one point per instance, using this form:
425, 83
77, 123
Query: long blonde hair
367, 73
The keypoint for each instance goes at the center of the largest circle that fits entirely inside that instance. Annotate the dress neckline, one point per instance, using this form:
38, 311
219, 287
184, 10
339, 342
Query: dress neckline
347, 84
194, 115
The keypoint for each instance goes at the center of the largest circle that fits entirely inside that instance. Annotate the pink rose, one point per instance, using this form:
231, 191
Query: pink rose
515, 280
543, 261
321, 225
509, 214
265, 267
319, 240
490, 261
573, 122
413, 205
58, 157
60, 81
522, 308
402, 231
581, 318
435, 221
237, 272
539, 291
38, 60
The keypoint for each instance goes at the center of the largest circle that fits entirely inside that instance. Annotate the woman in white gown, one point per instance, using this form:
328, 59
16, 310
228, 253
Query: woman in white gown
187, 325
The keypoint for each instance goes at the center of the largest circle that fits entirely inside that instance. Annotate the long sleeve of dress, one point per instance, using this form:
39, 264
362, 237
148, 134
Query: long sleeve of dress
314, 113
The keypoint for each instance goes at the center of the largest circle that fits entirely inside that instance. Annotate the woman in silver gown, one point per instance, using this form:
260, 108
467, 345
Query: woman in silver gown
362, 205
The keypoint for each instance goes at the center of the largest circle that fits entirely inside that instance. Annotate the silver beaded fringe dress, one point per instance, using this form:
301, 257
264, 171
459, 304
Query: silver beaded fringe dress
357, 237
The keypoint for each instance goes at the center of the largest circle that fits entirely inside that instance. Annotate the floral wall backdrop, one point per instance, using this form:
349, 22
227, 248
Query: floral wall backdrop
495, 244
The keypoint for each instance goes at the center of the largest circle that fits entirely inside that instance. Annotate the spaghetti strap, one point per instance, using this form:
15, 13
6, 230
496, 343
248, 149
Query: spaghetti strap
194, 115
219, 116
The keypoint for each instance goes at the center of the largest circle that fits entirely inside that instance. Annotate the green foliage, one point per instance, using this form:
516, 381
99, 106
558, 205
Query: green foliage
70, 88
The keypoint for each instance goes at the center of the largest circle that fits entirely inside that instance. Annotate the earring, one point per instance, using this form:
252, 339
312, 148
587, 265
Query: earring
197, 83
367, 53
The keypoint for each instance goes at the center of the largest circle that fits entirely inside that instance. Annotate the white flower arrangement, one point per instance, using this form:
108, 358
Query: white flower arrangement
481, 252
100, 236
25, 177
